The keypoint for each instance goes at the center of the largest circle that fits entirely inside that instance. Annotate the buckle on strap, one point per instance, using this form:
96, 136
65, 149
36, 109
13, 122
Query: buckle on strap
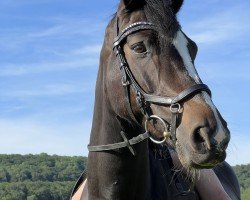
175, 108
108, 147
131, 149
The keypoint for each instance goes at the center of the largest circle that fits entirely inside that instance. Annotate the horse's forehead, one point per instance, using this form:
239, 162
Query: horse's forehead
138, 16
129, 18
181, 43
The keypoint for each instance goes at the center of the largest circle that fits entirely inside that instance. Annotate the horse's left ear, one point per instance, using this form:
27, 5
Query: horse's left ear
176, 5
133, 4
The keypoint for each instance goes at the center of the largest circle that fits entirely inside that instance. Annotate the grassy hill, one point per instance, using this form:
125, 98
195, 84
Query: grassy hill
44, 177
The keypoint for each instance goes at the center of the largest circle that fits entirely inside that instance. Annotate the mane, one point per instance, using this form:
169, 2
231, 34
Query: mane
160, 13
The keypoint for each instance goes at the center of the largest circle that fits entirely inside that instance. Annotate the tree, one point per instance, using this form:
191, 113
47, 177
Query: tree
4, 175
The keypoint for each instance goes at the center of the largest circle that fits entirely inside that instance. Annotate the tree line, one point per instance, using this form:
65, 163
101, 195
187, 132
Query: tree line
38, 177
45, 177
243, 174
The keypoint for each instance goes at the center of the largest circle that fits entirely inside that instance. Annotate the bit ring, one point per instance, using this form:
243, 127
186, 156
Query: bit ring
166, 133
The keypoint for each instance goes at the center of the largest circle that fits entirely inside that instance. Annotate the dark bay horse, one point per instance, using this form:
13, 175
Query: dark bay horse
149, 101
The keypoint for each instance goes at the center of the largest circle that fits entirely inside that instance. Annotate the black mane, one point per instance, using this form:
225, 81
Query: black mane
160, 13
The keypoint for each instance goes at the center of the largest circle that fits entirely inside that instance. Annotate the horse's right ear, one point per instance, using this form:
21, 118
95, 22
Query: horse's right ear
133, 4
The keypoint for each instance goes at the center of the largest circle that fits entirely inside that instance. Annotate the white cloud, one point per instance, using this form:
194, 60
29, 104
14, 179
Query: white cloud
23, 2
69, 28
15, 39
89, 49
28, 136
34, 68
220, 27
228, 70
81, 56
47, 90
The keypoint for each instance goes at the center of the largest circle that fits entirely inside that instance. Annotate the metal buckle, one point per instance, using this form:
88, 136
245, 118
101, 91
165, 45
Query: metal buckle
175, 108
166, 133
125, 82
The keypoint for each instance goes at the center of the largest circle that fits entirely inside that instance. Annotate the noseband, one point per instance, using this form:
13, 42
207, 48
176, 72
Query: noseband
144, 99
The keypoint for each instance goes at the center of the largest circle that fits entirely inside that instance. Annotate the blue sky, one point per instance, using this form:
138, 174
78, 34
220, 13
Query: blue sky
49, 61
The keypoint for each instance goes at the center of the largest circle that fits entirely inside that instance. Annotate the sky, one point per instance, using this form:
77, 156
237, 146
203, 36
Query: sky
49, 56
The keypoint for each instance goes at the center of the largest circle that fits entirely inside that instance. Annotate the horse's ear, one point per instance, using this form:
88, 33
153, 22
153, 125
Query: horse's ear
133, 4
176, 5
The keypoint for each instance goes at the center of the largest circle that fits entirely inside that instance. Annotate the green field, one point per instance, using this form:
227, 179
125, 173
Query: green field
44, 177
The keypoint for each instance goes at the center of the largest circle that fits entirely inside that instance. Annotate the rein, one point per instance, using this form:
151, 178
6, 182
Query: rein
144, 99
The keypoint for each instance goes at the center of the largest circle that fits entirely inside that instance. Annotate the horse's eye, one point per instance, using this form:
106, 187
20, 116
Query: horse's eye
139, 48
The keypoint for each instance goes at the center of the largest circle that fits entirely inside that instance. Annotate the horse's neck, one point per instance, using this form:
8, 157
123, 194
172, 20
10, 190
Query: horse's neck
115, 174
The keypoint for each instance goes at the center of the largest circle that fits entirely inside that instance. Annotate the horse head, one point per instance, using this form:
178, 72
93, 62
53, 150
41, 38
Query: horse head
160, 59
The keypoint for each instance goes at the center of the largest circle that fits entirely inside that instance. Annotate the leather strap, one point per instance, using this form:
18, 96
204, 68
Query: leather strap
173, 127
138, 26
130, 147
159, 99
120, 145
191, 91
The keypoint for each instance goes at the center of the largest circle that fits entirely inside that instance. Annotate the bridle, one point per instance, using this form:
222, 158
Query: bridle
144, 99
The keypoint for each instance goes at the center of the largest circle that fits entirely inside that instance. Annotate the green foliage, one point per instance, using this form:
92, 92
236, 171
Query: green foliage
36, 190
44, 177
243, 174
246, 194
38, 177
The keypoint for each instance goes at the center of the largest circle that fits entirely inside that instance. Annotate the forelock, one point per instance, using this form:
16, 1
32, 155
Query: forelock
160, 13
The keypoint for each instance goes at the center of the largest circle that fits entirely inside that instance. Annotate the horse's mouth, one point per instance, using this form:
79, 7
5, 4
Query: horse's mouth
212, 160
192, 159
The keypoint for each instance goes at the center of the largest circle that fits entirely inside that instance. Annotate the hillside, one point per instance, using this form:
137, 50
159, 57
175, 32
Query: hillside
44, 177
38, 177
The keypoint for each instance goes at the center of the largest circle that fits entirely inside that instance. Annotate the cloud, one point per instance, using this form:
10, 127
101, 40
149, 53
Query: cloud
228, 70
26, 136
44, 43
49, 90
220, 27
68, 28
51, 30
23, 2
89, 49
34, 68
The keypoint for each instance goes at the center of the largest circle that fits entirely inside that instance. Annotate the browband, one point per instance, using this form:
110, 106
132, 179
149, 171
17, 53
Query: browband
138, 26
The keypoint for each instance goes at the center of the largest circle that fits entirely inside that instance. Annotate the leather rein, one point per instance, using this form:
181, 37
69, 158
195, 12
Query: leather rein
144, 99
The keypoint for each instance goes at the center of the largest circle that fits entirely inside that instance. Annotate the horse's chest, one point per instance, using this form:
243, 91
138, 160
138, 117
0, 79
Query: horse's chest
164, 184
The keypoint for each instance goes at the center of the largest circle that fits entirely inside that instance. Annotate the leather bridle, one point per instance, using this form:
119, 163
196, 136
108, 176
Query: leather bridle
144, 99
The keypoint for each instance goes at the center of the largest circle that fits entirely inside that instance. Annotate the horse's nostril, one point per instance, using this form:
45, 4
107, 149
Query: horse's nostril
205, 134
201, 139
197, 136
